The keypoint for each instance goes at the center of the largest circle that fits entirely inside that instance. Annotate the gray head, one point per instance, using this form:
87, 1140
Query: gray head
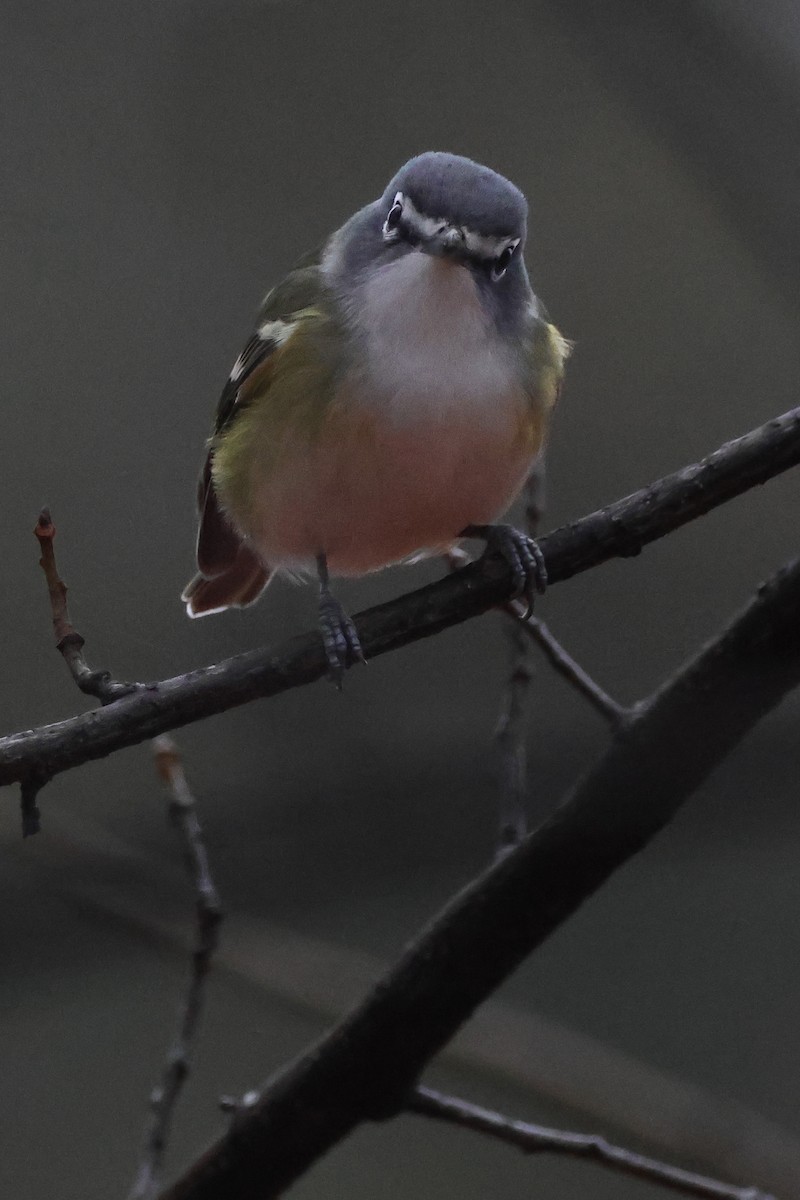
447, 206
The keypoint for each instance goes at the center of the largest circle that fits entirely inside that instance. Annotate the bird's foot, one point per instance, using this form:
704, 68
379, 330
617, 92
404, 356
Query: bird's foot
340, 638
522, 554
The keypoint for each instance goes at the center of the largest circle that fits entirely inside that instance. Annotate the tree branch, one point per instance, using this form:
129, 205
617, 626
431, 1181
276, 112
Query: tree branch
566, 666
509, 735
183, 812
509, 741
621, 529
364, 1068
534, 1139
601, 1084
69, 642
559, 658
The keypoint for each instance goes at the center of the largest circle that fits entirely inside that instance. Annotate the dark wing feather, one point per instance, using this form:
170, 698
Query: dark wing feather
298, 290
256, 352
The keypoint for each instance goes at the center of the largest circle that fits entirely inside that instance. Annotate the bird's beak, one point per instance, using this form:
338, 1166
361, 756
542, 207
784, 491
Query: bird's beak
448, 242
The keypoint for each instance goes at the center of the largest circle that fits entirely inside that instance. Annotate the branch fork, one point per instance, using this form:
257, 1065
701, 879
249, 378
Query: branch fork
365, 1067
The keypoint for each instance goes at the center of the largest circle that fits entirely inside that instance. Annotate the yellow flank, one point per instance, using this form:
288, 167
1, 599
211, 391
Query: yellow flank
550, 355
545, 358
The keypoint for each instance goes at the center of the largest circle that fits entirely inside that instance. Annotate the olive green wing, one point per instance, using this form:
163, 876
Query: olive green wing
229, 574
299, 290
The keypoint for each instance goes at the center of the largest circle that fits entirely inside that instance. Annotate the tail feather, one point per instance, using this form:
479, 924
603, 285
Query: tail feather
238, 586
230, 575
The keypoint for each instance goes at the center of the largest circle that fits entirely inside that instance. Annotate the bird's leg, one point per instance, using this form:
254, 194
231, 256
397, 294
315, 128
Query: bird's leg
522, 554
339, 634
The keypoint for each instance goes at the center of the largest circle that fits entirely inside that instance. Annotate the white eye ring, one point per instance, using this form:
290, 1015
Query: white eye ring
503, 260
390, 226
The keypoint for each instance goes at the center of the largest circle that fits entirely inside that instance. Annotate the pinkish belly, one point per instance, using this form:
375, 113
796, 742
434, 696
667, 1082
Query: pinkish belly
368, 496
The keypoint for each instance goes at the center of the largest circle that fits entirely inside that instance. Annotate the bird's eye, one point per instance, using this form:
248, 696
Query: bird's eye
503, 260
390, 225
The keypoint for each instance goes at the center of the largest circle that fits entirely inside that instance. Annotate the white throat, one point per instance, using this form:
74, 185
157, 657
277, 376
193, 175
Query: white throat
428, 340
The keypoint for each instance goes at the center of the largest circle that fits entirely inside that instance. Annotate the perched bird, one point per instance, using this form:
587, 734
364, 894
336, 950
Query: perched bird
392, 399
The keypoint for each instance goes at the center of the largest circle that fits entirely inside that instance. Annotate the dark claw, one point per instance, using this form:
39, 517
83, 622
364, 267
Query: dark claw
340, 638
522, 554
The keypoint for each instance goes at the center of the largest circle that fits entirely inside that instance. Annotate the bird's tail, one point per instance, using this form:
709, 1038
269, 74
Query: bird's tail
238, 586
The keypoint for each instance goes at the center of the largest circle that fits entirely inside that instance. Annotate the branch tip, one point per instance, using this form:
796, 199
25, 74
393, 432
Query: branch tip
537, 1139
69, 642
45, 529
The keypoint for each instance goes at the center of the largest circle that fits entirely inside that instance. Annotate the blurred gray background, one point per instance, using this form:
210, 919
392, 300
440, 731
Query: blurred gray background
164, 163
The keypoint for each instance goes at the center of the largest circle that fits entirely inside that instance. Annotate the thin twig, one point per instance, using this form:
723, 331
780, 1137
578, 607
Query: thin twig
512, 762
556, 655
509, 737
509, 743
621, 529
566, 666
509, 733
364, 1068
535, 1139
559, 658
69, 642
183, 812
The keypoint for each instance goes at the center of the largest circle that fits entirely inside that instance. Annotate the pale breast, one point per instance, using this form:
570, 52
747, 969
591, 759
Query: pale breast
429, 344
431, 433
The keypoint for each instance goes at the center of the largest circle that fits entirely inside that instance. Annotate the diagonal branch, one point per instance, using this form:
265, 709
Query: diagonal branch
565, 665
560, 659
598, 1082
364, 1068
536, 1139
621, 529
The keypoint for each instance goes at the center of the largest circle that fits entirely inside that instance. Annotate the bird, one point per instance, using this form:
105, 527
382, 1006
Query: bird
391, 401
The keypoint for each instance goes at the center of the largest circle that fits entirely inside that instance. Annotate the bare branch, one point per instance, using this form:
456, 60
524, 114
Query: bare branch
509, 737
566, 666
69, 642
597, 1082
509, 741
622, 529
183, 812
364, 1068
559, 658
535, 1139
